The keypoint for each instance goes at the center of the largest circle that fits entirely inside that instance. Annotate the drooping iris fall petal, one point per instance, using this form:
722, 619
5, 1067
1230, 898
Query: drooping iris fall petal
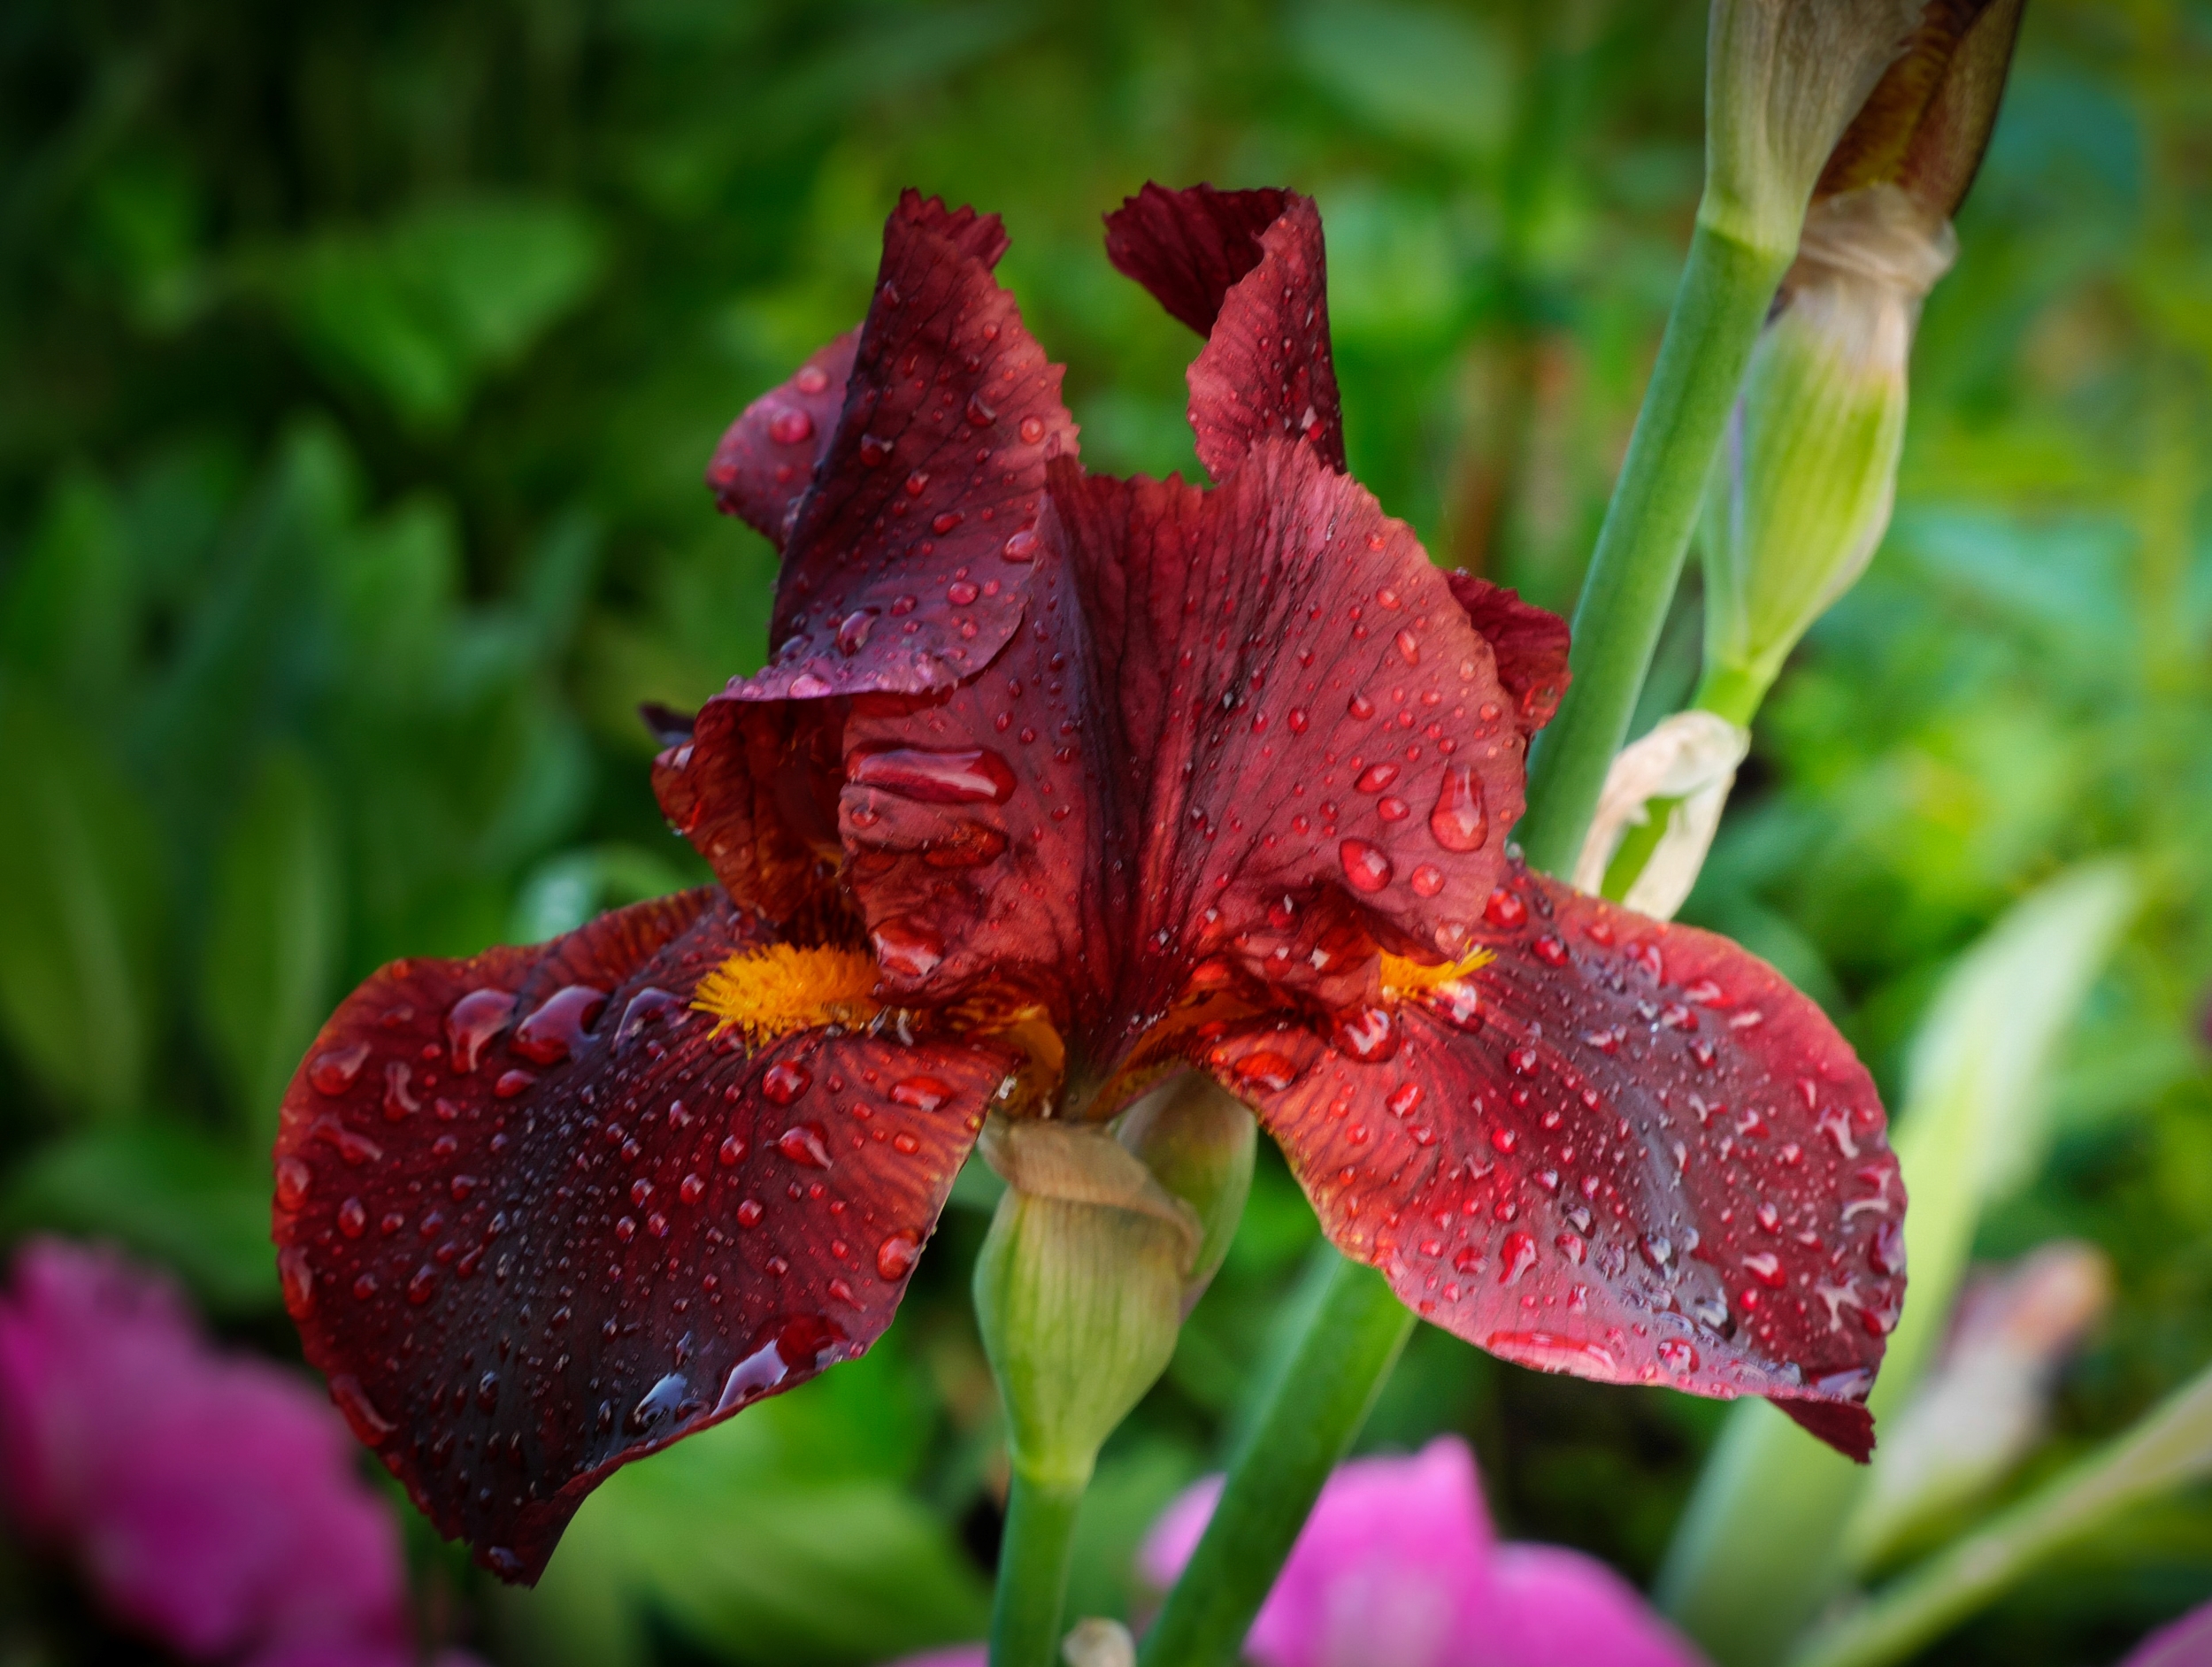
536, 1218
1245, 269
1627, 1151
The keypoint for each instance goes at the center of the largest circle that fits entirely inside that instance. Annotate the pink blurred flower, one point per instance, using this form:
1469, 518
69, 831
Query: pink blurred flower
1398, 1567
2187, 1642
209, 1501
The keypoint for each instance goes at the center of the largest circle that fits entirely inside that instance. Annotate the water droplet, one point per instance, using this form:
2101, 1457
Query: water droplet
748, 1213
292, 1179
1265, 1071
662, 1401
1769, 1217
753, 1376
1410, 647
852, 631
1369, 1034
296, 1274
1458, 822
1404, 1098
1657, 1249
353, 1217
1505, 909
1887, 1252
791, 428
369, 1424
906, 1144
971, 775
873, 451
1032, 430
1365, 865
1298, 720
808, 687
1547, 1352
1515, 1256
923, 1093
487, 1391
1427, 880
1677, 1355
812, 379
894, 1256
732, 1152
423, 1284
1550, 950
1360, 707
1022, 547
1374, 778
1766, 1267
904, 948
561, 1024
803, 1144
332, 1071
783, 1082
471, 1022
960, 593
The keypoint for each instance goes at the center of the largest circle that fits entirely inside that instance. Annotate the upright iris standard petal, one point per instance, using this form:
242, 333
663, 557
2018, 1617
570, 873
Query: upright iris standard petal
1311, 731
1245, 269
934, 477
1623, 1150
1530, 642
765, 462
539, 1214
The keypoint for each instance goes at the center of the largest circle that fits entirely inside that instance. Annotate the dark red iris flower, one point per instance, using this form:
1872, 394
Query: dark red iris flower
1054, 785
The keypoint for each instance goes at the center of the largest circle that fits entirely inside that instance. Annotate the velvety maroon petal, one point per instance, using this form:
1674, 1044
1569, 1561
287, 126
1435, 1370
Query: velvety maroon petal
766, 459
1624, 1150
752, 787
1531, 643
932, 484
535, 1220
1261, 288
1190, 247
1308, 723
980, 825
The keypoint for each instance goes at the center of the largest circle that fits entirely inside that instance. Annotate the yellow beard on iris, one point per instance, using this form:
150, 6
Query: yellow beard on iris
768, 992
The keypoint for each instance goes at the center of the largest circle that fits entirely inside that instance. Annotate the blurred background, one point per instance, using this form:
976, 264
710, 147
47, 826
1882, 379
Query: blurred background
360, 365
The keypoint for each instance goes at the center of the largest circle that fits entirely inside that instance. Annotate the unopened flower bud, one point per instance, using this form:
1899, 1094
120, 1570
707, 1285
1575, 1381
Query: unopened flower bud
1783, 81
1809, 472
1094, 1254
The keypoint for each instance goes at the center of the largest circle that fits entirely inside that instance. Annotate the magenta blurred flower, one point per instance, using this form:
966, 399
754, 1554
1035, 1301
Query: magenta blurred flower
1398, 1567
2187, 1642
209, 1501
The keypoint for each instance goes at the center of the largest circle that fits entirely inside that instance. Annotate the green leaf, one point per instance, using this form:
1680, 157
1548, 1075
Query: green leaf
566, 890
2169, 1448
1764, 1540
1413, 72
162, 1191
81, 911
70, 608
273, 935
425, 307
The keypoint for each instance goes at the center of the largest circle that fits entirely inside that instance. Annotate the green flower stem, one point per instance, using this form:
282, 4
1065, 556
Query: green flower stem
1307, 1419
1035, 1554
2169, 1450
1727, 286
1734, 695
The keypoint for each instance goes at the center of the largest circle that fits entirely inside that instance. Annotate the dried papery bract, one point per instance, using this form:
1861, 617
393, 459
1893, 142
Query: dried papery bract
1783, 79
1688, 763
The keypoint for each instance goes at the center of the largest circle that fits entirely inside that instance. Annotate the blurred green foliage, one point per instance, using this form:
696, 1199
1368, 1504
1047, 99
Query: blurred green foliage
361, 362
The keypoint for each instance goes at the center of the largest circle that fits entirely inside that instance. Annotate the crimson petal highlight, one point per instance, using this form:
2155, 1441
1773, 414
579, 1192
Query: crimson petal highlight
535, 1220
933, 478
1623, 1150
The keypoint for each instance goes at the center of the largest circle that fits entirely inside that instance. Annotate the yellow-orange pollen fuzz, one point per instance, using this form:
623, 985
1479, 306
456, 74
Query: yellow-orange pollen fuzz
1401, 979
766, 993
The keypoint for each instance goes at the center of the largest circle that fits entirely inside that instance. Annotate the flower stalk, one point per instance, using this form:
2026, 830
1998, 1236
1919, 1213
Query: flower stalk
1312, 1409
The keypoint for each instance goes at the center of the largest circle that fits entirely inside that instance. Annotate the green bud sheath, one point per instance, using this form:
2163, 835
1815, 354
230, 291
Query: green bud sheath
1809, 472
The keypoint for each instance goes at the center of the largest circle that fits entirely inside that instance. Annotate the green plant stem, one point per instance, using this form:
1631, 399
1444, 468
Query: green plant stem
2169, 1448
1312, 1410
1035, 1556
1726, 290
1732, 695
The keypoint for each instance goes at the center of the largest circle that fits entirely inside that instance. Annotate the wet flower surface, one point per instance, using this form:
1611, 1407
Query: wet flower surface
207, 1502
1057, 784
